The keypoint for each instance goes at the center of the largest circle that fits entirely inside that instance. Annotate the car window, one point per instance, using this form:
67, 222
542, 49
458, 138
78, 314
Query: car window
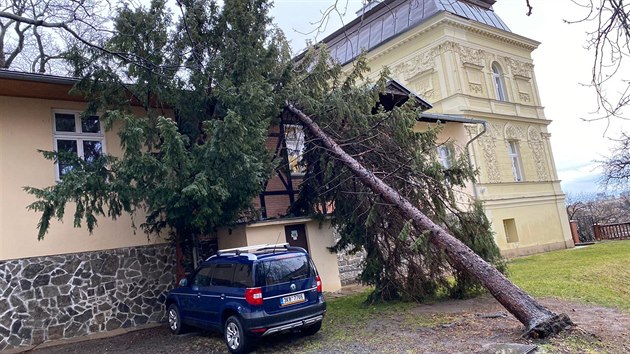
281, 270
243, 276
222, 275
203, 276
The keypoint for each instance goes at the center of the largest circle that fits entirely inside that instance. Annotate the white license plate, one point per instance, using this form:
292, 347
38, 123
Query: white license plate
292, 299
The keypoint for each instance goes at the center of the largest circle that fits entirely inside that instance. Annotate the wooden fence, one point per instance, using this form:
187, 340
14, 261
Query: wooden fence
612, 231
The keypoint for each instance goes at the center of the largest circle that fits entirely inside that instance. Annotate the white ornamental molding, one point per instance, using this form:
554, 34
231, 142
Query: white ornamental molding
533, 133
513, 132
471, 56
496, 130
475, 88
524, 97
418, 64
471, 129
536, 144
489, 150
520, 68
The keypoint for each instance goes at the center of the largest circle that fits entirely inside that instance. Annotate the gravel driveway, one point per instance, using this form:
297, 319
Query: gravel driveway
463, 326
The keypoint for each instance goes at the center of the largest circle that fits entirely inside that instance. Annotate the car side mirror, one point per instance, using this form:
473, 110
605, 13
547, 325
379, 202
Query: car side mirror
183, 282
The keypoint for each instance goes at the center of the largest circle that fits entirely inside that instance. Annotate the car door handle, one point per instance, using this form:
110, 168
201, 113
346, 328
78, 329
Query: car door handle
222, 296
198, 295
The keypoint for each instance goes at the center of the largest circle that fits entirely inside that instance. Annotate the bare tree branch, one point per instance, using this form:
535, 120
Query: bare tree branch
610, 43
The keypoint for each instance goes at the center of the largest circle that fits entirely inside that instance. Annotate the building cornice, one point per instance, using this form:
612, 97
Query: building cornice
448, 19
506, 117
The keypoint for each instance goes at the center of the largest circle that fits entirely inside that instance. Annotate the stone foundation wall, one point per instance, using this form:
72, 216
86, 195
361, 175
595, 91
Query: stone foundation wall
64, 296
350, 265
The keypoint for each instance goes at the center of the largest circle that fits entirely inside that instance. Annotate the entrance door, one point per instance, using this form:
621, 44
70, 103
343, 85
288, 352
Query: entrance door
296, 235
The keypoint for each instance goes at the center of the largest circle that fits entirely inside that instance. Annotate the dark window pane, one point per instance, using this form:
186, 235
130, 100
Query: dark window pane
203, 276
64, 148
282, 270
340, 52
388, 25
364, 39
243, 276
222, 275
416, 11
353, 47
64, 122
92, 149
90, 124
402, 18
67, 146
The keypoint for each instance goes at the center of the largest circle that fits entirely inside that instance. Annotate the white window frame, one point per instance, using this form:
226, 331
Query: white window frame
515, 160
445, 155
77, 135
296, 146
499, 84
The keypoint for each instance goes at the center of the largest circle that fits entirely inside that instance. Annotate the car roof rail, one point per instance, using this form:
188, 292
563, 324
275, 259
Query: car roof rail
248, 249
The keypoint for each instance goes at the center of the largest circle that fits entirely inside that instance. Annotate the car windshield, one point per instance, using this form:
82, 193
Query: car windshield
282, 270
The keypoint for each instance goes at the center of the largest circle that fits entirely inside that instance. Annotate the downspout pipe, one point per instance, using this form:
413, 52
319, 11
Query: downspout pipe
437, 117
484, 126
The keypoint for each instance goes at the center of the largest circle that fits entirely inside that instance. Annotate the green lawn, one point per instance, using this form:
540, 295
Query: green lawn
597, 274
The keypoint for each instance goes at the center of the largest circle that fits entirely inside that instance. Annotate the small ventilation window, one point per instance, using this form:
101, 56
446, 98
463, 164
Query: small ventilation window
510, 230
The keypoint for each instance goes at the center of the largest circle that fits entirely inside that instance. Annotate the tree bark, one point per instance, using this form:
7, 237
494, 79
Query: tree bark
538, 320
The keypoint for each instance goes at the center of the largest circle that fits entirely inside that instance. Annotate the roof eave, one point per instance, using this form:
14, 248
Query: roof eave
447, 118
36, 77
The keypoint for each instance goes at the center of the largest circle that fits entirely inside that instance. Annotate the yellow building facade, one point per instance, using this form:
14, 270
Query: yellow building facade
463, 59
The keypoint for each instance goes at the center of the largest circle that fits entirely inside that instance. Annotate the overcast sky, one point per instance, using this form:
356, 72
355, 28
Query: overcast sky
561, 63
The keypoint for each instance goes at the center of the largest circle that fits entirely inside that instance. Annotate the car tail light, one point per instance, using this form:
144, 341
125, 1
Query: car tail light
318, 280
253, 296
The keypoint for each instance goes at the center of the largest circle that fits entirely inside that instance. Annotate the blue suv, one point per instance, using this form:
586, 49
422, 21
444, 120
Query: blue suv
250, 292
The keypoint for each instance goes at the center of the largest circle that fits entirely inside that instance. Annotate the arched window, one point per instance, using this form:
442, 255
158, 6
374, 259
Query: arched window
499, 86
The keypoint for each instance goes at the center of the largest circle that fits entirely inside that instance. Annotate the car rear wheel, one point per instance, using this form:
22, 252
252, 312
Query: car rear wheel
235, 338
312, 329
175, 320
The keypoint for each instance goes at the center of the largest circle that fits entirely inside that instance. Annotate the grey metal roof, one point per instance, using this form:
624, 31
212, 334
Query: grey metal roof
391, 18
472, 12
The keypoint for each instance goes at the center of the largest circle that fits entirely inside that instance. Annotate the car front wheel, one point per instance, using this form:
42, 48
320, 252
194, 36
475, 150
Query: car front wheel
175, 320
235, 338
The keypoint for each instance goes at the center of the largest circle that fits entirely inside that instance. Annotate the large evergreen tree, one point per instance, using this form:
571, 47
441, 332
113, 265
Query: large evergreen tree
392, 198
208, 86
381, 136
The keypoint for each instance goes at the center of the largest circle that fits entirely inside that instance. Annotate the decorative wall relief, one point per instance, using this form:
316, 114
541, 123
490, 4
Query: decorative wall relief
474, 76
524, 88
418, 64
471, 56
473, 61
422, 83
537, 145
488, 144
520, 68
471, 130
513, 132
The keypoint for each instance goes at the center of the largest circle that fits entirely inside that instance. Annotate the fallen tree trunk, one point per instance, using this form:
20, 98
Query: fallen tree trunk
539, 321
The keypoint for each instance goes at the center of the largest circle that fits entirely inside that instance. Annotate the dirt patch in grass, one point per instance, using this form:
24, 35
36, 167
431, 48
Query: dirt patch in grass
463, 326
